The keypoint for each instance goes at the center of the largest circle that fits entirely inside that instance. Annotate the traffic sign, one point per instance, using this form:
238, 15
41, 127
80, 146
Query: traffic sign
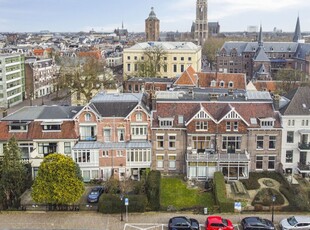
126, 201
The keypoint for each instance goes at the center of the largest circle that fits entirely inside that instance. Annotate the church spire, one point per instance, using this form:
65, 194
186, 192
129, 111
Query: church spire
260, 36
297, 35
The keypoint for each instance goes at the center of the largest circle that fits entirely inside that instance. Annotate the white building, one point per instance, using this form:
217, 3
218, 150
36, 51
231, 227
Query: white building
12, 77
295, 115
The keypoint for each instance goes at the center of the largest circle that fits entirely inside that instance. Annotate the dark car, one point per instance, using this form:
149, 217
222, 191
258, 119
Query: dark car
257, 223
94, 194
183, 223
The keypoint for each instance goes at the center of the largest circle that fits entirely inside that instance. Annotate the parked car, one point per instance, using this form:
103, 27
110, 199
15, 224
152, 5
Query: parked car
183, 223
256, 223
295, 222
218, 223
94, 194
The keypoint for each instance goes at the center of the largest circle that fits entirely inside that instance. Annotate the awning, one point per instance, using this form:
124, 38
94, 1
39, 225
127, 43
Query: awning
304, 131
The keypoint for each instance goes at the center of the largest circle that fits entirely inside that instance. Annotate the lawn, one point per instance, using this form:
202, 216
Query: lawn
174, 192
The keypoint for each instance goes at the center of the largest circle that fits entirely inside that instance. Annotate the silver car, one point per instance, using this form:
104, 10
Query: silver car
295, 222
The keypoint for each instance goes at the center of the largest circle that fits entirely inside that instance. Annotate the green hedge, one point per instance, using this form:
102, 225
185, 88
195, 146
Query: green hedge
296, 202
252, 182
226, 205
153, 190
111, 203
264, 197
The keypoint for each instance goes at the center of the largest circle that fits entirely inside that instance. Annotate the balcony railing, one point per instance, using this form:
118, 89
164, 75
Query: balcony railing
88, 138
304, 146
218, 157
303, 168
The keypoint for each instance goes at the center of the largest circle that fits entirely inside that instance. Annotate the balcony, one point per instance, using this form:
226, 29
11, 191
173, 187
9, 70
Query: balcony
88, 138
304, 146
303, 168
218, 157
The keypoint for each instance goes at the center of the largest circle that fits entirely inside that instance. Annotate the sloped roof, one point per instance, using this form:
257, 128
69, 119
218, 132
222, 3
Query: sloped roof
217, 111
187, 78
35, 132
299, 102
110, 109
261, 56
238, 79
30, 113
270, 86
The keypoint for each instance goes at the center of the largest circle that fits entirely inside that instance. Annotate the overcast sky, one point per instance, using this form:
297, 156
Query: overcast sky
174, 15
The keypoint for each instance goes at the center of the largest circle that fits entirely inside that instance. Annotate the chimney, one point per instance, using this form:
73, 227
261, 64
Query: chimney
4, 113
276, 102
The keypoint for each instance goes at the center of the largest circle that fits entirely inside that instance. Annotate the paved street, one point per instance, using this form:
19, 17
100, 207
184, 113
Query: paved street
94, 220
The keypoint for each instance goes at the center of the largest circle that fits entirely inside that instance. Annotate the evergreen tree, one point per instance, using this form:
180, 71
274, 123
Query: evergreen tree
13, 175
58, 181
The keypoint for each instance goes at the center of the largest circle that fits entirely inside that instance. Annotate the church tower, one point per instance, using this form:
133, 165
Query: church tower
152, 27
201, 23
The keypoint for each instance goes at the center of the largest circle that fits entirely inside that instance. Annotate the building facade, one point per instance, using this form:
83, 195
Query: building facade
12, 84
177, 57
152, 27
295, 115
261, 60
41, 77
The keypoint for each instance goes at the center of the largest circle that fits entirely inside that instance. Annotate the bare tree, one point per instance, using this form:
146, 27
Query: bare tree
153, 62
84, 76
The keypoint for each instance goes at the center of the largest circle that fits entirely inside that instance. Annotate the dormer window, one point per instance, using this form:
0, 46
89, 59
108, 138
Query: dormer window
87, 117
230, 84
165, 122
51, 126
18, 126
267, 122
213, 83
222, 84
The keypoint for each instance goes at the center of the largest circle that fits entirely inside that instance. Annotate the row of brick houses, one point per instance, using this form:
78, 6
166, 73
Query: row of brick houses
194, 133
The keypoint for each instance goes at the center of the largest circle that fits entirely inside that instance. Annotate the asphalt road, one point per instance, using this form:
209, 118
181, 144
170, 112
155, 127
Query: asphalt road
94, 220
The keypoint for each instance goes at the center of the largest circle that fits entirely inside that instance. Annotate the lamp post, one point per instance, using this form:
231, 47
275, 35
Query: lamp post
121, 197
273, 200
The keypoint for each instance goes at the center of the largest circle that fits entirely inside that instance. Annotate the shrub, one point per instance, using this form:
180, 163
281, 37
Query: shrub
296, 202
264, 197
226, 205
111, 203
153, 190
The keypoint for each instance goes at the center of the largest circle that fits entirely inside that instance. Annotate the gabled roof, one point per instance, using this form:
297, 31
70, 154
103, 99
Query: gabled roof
270, 86
261, 56
187, 78
299, 102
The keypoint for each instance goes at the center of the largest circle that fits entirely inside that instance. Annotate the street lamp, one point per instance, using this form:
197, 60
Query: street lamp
121, 197
273, 200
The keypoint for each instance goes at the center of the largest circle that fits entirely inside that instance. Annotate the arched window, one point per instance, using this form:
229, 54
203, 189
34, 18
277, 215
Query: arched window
87, 117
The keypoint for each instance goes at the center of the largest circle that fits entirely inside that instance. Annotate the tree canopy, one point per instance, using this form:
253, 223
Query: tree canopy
84, 76
13, 175
152, 63
290, 79
211, 47
58, 181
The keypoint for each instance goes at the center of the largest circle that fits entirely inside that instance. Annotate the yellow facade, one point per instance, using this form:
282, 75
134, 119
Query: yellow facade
179, 55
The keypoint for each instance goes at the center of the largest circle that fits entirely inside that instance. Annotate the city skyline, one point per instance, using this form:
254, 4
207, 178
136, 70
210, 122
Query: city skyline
174, 15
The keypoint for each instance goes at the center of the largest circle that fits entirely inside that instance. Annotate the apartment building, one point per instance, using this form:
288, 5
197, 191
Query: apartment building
41, 77
114, 137
178, 56
12, 75
198, 136
40, 131
295, 114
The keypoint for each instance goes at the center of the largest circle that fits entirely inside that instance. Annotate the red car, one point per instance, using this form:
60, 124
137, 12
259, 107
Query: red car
218, 223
